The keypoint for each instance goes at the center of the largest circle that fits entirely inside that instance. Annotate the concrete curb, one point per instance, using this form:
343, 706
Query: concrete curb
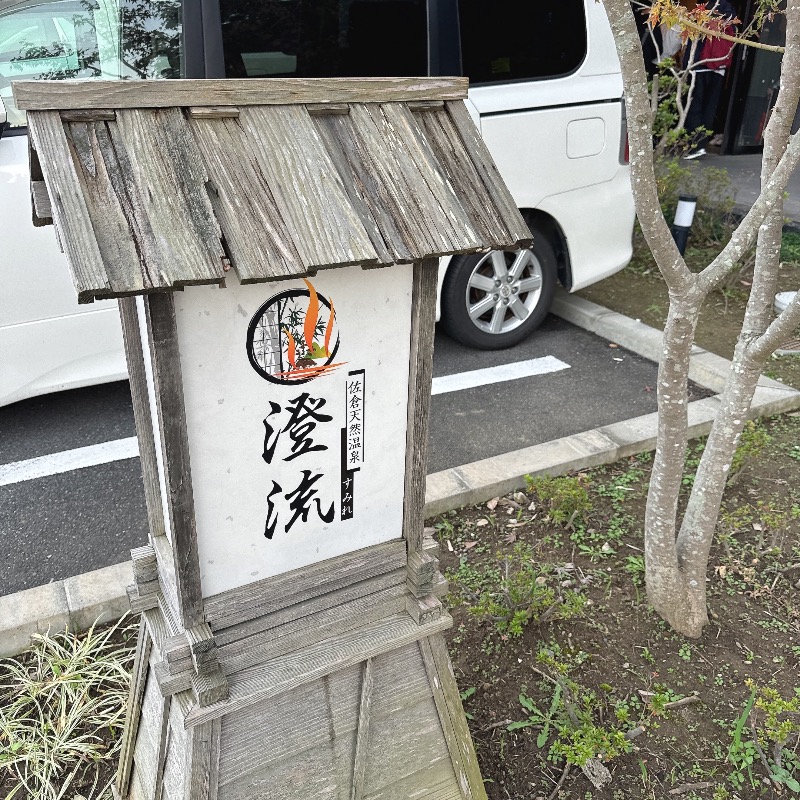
80, 601
482, 480
75, 603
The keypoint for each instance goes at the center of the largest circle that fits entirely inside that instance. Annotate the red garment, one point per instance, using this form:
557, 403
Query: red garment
717, 54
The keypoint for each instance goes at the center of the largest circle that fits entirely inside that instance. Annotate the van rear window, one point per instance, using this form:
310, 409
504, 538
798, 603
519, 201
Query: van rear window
512, 40
324, 38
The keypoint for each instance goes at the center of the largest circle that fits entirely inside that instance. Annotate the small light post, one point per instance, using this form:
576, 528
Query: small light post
684, 216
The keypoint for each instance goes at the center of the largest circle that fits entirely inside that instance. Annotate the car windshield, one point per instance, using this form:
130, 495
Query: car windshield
107, 39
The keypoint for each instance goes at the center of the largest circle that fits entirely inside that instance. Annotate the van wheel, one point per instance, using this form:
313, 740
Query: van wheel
496, 299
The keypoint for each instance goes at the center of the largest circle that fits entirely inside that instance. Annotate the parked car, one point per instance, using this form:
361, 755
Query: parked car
545, 93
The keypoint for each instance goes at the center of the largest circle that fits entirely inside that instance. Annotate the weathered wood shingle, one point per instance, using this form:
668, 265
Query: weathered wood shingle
154, 188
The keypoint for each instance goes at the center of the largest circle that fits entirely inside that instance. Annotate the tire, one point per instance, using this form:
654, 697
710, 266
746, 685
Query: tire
495, 300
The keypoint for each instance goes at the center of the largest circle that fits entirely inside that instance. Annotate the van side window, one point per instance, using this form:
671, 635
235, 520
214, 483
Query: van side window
109, 39
512, 40
324, 38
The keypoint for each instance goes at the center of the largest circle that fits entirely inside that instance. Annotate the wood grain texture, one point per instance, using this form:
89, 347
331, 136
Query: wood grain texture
299, 633
148, 738
281, 591
70, 211
402, 746
456, 161
144, 645
166, 165
362, 736
495, 189
167, 580
443, 210
451, 715
208, 682
213, 112
420, 376
260, 626
163, 743
172, 421
369, 195
306, 187
46, 95
89, 115
134, 357
257, 238
40, 200
202, 773
295, 669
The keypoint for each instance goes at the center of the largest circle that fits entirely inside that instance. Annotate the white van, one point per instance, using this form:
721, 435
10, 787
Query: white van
545, 91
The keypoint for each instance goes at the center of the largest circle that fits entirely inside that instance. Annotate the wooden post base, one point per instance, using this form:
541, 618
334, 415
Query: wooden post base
353, 701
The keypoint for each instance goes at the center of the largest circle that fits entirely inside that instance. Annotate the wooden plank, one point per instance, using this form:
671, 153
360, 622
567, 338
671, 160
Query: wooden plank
44, 95
40, 199
420, 376
141, 414
172, 421
433, 782
307, 189
167, 166
257, 239
261, 625
295, 669
495, 187
70, 212
281, 591
300, 633
146, 749
362, 737
167, 581
144, 645
369, 196
213, 112
426, 105
89, 115
323, 109
406, 197
447, 211
451, 715
401, 745
328, 709
203, 761
114, 208
163, 742
454, 159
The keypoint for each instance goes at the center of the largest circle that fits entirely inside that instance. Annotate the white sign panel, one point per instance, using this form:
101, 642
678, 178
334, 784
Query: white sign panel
296, 400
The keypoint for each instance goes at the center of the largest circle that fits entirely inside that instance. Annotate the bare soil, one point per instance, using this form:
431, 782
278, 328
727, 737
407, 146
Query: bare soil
613, 667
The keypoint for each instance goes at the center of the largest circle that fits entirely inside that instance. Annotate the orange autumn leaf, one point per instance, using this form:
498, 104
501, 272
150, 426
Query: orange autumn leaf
310, 324
291, 350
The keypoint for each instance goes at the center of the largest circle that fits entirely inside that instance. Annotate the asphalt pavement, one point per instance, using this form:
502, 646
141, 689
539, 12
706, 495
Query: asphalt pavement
74, 521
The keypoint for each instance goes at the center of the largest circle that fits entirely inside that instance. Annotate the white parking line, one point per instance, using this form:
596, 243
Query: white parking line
68, 460
120, 449
505, 372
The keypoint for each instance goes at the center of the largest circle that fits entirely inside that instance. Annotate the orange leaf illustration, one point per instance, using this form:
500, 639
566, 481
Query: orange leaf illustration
329, 329
291, 351
311, 315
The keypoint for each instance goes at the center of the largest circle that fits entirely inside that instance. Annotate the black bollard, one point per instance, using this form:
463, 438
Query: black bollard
684, 216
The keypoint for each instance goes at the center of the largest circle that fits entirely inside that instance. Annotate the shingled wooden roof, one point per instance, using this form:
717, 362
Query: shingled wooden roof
159, 184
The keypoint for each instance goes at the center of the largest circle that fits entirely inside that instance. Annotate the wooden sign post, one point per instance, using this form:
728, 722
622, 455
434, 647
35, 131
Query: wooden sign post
291, 637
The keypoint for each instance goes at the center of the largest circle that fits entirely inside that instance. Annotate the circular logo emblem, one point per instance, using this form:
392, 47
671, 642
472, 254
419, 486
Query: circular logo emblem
293, 338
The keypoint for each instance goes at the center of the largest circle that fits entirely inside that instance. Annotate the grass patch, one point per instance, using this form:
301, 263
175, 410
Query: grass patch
62, 710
